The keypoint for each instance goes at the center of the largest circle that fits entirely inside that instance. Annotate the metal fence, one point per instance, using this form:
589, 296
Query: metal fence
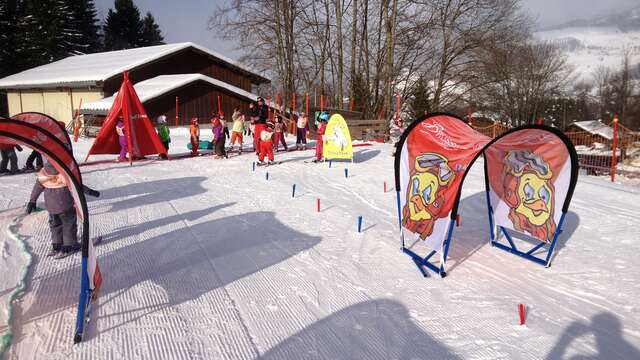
598, 154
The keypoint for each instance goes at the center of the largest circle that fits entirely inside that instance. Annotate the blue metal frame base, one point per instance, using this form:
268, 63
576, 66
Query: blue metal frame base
421, 263
546, 261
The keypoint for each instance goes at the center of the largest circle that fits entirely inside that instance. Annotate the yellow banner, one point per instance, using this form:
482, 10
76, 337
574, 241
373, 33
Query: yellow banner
337, 139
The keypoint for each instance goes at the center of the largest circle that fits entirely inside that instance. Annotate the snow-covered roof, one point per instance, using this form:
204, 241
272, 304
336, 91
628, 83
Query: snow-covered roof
87, 70
595, 127
159, 85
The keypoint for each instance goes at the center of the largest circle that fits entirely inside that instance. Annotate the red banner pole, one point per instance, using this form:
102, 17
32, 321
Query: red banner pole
615, 145
321, 103
398, 106
177, 112
293, 102
306, 103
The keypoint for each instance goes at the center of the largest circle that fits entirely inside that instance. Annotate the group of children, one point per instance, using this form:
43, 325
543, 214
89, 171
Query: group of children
267, 135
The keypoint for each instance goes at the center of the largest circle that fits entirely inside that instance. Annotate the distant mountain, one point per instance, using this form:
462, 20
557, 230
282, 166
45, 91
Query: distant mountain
626, 20
601, 41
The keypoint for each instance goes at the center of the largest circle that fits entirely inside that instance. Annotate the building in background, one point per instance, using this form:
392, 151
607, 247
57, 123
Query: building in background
193, 73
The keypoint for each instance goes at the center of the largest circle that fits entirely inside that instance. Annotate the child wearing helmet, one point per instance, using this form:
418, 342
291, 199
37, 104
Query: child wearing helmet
163, 132
323, 119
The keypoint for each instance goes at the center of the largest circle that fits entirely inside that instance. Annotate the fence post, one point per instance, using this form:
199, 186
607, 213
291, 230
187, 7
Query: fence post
177, 112
615, 143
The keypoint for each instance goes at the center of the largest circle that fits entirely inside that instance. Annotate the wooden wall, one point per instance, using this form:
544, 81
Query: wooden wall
188, 61
198, 99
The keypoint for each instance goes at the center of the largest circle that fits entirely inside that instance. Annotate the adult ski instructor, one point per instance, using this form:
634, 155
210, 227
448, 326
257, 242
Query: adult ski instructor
260, 124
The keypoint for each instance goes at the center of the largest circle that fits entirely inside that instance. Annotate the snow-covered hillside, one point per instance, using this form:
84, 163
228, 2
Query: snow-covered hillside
207, 259
590, 47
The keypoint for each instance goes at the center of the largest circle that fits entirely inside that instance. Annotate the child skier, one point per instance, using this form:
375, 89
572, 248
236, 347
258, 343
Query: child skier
62, 212
9, 157
195, 136
237, 129
266, 144
163, 132
322, 126
302, 128
219, 138
122, 140
280, 133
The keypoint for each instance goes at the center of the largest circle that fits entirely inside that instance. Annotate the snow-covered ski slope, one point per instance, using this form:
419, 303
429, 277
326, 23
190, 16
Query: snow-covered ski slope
206, 259
588, 48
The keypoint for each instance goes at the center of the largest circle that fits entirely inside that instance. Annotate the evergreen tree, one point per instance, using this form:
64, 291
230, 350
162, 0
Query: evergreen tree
123, 26
85, 23
10, 39
420, 102
151, 34
46, 32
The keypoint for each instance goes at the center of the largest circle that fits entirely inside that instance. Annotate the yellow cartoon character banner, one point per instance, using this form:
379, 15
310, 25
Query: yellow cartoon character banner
529, 173
337, 139
432, 164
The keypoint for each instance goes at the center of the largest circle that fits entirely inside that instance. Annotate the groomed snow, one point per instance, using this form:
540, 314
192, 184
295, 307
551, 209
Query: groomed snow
206, 259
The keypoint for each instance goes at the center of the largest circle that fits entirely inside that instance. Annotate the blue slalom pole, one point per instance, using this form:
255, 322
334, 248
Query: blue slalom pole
254, 166
330, 162
399, 216
293, 193
346, 172
359, 224
267, 177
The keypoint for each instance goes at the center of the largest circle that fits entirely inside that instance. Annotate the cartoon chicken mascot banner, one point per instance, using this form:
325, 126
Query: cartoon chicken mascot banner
338, 139
530, 175
433, 159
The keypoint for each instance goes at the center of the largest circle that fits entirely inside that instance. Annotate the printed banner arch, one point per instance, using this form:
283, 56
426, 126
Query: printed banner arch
14, 131
530, 175
337, 139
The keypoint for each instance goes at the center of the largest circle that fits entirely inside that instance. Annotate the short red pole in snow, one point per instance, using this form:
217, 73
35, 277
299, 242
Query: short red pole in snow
615, 145
385, 186
318, 205
458, 220
306, 104
521, 312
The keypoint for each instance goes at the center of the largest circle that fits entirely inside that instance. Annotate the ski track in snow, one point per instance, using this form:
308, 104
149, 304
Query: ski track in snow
206, 259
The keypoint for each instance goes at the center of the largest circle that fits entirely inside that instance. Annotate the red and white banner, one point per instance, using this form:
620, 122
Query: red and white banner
433, 160
529, 174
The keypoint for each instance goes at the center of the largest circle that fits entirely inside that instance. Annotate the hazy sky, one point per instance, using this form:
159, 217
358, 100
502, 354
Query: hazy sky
186, 20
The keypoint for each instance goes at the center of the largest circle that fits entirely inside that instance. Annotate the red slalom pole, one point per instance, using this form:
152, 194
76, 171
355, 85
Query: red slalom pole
218, 104
306, 101
321, 103
318, 205
293, 102
615, 145
470, 117
457, 220
385, 186
521, 313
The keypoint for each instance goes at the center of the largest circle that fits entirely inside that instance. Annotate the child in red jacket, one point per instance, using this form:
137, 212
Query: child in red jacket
266, 145
322, 126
